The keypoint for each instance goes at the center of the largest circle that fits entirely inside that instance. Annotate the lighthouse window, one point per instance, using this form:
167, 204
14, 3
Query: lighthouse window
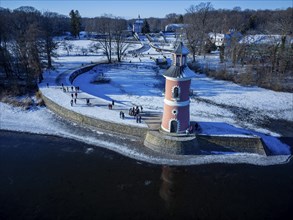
175, 93
174, 112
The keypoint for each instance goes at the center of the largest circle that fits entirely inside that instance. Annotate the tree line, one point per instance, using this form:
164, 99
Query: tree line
26, 43
266, 59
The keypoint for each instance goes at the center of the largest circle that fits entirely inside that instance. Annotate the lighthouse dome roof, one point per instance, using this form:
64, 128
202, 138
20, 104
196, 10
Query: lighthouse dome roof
179, 72
181, 49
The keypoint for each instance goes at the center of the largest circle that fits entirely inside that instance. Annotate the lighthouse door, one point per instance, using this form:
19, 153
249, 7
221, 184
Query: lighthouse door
174, 126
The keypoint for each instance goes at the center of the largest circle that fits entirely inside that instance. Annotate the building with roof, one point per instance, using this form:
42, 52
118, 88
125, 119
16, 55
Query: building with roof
176, 116
137, 25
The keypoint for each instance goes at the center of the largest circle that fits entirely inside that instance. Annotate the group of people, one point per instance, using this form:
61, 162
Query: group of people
134, 111
73, 88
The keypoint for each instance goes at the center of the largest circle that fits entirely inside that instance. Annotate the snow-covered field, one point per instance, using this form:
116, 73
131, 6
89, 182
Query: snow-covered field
140, 83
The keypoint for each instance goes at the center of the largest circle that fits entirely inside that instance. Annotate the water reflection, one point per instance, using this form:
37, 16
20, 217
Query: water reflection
171, 188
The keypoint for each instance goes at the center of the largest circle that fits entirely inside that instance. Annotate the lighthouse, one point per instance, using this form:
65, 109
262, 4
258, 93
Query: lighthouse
176, 116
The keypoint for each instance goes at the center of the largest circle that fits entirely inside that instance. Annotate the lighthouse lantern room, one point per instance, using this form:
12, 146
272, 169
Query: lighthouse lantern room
176, 116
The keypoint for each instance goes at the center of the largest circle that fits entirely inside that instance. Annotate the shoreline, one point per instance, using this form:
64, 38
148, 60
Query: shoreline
149, 156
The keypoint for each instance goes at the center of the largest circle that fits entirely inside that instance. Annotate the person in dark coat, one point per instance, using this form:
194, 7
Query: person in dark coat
75, 94
123, 116
71, 102
74, 101
120, 114
139, 119
113, 102
71, 95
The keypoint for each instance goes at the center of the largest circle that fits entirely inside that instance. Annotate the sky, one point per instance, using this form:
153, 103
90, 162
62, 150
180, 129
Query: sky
132, 8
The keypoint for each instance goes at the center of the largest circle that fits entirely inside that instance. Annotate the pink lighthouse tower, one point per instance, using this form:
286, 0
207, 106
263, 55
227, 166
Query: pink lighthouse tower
176, 117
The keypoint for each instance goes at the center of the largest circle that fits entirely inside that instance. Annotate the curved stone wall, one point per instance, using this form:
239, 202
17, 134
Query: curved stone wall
85, 120
82, 70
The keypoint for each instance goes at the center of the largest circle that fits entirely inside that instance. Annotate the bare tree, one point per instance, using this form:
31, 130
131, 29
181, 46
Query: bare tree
197, 26
120, 44
5, 37
104, 27
111, 36
48, 32
66, 45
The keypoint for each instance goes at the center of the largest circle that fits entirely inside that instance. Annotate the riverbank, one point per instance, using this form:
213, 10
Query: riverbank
42, 121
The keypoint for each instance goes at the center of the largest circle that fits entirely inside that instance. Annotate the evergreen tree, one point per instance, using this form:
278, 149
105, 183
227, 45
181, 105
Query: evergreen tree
145, 27
75, 22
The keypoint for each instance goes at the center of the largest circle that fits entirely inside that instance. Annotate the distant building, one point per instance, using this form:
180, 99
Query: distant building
231, 36
217, 39
174, 27
137, 25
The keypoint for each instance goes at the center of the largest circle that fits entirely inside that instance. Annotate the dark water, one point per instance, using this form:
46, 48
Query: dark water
44, 177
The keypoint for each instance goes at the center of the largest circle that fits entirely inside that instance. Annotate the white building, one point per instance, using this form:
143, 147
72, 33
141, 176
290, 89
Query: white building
137, 25
217, 39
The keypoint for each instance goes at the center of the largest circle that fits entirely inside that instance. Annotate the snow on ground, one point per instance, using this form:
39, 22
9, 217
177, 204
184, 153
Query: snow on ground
278, 105
138, 83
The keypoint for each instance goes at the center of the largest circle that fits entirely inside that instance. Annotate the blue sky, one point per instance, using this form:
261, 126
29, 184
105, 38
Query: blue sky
131, 9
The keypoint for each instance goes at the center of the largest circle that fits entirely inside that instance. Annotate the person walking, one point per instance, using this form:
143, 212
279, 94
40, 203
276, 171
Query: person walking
71, 102
75, 94
71, 95
113, 102
123, 116
139, 119
74, 101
